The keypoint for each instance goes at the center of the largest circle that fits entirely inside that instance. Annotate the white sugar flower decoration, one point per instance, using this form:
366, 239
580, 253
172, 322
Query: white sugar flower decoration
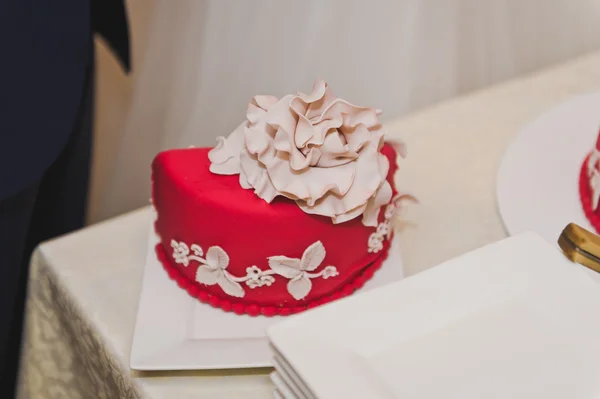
253, 273
213, 272
330, 271
297, 270
316, 149
180, 252
212, 269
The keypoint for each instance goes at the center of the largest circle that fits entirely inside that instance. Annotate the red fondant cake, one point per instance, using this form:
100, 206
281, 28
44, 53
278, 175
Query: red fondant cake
292, 210
589, 185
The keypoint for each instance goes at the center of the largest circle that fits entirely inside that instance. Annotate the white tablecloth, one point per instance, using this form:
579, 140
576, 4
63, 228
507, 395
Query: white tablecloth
84, 287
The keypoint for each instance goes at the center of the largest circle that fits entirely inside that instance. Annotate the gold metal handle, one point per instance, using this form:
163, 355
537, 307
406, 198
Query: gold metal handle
581, 246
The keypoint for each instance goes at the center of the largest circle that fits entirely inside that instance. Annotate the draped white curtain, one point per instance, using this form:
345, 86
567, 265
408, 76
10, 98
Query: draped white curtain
197, 63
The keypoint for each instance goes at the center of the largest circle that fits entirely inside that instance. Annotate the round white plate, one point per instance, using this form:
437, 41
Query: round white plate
537, 183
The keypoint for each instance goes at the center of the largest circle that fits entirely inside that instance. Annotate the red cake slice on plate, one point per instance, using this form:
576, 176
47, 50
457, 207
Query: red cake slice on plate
292, 210
589, 185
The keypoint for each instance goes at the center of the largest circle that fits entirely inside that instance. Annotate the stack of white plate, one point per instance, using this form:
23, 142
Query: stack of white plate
514, 320
289, 384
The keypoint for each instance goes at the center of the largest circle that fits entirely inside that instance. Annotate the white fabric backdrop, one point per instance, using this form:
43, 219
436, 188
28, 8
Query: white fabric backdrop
198, 62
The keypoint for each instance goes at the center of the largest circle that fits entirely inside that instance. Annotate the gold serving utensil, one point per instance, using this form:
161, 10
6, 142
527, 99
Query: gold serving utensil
581, 246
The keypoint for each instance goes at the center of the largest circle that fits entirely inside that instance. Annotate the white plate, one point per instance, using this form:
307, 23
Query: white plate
514, 320
285, 373
538, 180
176, 332
282, 387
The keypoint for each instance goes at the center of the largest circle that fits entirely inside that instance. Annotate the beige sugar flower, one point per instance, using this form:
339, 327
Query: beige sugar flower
318, 150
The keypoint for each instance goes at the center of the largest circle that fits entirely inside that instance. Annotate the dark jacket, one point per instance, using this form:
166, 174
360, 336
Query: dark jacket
45, 49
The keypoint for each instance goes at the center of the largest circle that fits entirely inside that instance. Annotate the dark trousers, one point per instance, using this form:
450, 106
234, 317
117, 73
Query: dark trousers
52, 206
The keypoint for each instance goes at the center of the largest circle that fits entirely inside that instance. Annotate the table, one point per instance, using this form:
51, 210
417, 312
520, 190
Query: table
84, 287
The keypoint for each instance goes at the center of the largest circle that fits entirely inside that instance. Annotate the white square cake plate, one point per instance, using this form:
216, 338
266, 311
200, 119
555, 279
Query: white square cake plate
174, 331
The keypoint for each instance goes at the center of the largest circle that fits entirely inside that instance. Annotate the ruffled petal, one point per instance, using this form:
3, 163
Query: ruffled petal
284, 142
298, 106
220, 152
229, 167
334, 144
265, 101
258, 140
316, 108
304, 131
281, 115
267, 156
356, 136
284, 179
258, 133
309, 108
317, 93
355, 115
351, 214
367, 179
313, 156
334, 205
244, 180
312, 183
225, 156
371, 169
258, 107
256, 176
335, 151
298, 162
319, 99
381, 197
321, 129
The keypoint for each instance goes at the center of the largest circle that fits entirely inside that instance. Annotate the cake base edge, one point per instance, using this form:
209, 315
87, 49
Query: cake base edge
241, 308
